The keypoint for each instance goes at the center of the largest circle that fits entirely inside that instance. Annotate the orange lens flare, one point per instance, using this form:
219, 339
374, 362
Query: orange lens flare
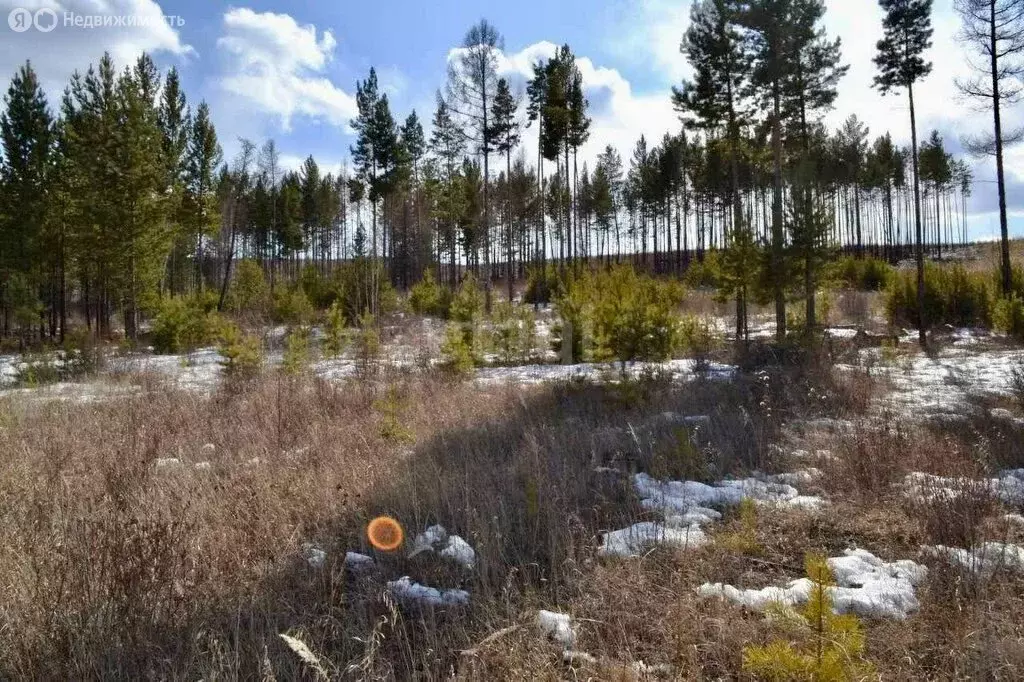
385, 534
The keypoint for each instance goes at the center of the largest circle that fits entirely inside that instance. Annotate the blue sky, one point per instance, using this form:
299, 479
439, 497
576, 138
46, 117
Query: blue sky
287, 70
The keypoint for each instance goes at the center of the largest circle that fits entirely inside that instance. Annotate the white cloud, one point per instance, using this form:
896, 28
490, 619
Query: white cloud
278, 66
57, 54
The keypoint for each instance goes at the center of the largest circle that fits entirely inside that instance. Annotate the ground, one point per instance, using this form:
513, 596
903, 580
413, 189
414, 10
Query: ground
168, 524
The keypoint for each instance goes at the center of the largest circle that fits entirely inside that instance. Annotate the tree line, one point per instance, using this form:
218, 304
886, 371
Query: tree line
122, 196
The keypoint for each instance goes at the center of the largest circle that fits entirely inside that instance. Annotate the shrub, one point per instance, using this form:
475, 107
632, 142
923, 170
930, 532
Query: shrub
183, 324
296, 352
466, 310
317, 288
514, 335
836, 648
456, 354
249, 293
334, 331
368, 345
292, 306
636, 317
627, 316
1008, 317
952, 296
242, 353
542, 285
704, 273
863, 274
427, 296
358, 284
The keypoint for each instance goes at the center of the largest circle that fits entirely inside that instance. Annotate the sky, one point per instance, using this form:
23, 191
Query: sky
287, 70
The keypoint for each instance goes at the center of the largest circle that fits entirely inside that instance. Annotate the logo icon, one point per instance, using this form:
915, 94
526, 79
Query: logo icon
20, 19
45, 20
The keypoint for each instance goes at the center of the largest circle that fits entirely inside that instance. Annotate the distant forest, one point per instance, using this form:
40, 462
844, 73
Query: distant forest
116, 193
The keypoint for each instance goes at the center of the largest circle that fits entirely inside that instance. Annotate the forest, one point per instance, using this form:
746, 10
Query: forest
116, 195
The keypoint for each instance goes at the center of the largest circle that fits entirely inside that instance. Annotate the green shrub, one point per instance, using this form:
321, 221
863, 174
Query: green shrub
456, 353
621, 315
863, 274
543, 285
636, 317
834, 646
368, 345
357, 284
334, 331
296, 352
318, 289
183, 324
427, 297
242, 354
292, 306
514, 332
249, 293
952, 296
1008, 317
706, 273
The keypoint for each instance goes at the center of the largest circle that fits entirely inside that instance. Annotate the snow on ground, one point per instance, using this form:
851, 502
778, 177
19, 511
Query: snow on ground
413, 593
632, 541
924, 386
686, 507
557, 626
865, 586
1008, 486
436, 539
534, 374
984, 560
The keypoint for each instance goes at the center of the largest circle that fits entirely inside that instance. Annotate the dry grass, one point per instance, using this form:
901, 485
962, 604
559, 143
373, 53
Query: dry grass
118, 565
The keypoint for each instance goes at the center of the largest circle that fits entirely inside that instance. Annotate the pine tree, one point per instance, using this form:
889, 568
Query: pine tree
900, 60
995, 30
28, 135
472, 83
140, 204
714, 47
505, 133
203, 156
447, 144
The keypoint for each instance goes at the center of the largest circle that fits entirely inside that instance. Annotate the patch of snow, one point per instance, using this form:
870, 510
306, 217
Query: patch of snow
453, 547
314, 555
983, 560
799, 477
632, 541
1007, 416
203, 466
925, 386
557, 626
358, 562
167, 463
535, 374
865, 586
413, 593
1008, 487
1014, 519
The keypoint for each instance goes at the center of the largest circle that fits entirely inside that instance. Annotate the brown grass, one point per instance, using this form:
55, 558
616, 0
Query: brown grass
115, 566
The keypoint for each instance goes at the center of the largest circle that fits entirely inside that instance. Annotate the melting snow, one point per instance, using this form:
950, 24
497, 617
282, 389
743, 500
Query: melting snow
1008, 487
557, 626
534, 374
866, 586
632, 541
983, 560
357, 561
314, 555
436, 538
409, 592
